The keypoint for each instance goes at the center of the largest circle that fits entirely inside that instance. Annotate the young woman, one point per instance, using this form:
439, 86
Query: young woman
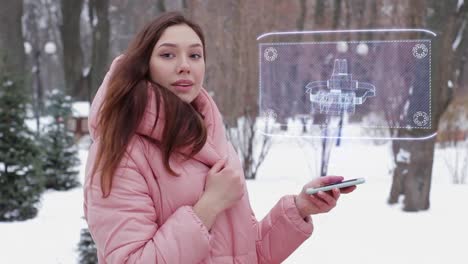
163, 185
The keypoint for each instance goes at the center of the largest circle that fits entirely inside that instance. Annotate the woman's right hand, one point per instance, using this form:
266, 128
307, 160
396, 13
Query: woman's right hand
224, 186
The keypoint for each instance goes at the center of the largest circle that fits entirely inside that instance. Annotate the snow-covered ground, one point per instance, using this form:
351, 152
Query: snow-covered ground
361, 229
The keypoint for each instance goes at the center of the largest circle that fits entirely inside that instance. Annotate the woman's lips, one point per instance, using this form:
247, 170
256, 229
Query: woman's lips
183, 88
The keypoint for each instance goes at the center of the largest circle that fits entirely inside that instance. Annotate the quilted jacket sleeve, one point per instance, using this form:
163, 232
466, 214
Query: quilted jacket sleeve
124, 227
281, 231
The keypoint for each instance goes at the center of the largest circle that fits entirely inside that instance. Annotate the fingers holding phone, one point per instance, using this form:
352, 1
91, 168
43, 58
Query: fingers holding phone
321, 194
346, 186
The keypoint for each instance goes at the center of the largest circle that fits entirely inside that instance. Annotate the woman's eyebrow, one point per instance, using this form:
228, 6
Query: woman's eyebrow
175, 45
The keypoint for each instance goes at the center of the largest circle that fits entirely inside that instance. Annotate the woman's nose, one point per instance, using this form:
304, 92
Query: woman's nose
183, 66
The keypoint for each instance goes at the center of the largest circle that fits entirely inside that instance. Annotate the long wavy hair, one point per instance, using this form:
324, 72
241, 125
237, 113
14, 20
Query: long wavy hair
126, 99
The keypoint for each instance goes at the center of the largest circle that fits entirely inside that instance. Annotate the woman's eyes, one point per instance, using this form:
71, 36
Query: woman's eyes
170, 55
167, 55
196, 56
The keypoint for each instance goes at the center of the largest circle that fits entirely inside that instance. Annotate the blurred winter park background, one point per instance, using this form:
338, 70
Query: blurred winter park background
54, 54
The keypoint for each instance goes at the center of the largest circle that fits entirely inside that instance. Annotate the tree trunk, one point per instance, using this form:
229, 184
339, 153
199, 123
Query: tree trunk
417, 188
11, 37
413, 173
72, 53
174, 5
412, 177
401, 169
398, 147
101, 36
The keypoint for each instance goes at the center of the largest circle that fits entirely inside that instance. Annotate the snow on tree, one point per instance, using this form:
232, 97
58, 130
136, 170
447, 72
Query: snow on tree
21, 181
60, 154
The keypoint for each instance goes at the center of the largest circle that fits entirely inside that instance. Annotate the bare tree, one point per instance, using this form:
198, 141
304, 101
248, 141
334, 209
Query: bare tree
412, 176
232, 70
174, 5
99, 19
72, 52
127, 17
333, 15
251, 146
32, 36
11, 36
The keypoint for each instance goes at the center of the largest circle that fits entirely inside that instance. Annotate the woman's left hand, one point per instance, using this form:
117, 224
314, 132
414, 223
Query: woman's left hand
320, 202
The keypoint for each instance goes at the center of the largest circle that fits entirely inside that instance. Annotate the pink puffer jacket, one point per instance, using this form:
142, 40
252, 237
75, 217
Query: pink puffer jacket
149, 218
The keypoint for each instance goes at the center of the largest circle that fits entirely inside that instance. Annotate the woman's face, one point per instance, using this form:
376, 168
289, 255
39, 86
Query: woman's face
177, 62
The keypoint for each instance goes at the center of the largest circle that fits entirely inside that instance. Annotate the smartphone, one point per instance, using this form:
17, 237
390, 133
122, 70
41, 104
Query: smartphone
338, 185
